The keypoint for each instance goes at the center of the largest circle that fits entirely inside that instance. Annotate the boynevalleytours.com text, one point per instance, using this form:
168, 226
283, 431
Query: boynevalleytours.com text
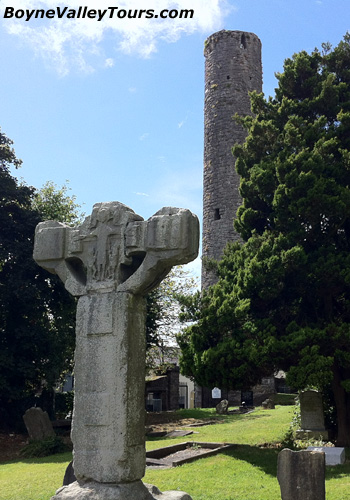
97, 14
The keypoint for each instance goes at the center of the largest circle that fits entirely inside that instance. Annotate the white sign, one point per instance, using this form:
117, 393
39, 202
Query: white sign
216, 393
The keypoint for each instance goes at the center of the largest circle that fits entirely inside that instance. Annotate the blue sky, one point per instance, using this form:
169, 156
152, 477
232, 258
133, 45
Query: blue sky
116, 106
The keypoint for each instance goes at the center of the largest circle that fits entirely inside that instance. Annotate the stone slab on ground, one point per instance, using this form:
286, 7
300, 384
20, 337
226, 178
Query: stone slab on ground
334, 455
179, 433
126, 491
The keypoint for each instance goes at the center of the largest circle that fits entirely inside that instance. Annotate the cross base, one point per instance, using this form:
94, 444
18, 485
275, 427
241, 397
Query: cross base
124, 491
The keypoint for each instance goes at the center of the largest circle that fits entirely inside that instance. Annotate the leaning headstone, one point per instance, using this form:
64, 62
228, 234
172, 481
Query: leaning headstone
312, 416
268, 404
38, 424
222, 407
111, 262
301, 475
334, 455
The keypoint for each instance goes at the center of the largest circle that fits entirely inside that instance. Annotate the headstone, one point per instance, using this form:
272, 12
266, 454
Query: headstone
222, 407
312, 416
301, 475
216, 393
268, 404
111, 262
69, 476
334, 455
38, 424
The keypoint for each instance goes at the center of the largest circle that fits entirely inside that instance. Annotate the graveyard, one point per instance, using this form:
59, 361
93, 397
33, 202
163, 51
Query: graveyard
247, 471
252, 318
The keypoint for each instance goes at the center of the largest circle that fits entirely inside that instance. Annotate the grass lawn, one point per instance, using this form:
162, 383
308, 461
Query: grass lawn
246, 472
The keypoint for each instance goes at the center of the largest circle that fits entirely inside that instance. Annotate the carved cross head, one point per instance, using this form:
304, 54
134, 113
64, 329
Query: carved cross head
114, 249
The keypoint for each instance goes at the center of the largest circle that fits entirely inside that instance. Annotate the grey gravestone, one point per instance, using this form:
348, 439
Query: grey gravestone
38, 424
301, 475
268, 404
334, 455
312, 416
111, 262
222, 407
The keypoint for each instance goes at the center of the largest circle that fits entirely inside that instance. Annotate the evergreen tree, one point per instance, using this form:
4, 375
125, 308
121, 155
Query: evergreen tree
282, 300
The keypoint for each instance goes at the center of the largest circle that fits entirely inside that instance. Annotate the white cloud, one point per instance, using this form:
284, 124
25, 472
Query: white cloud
144, 136
182, 123
141, 194
109, 62
75, 43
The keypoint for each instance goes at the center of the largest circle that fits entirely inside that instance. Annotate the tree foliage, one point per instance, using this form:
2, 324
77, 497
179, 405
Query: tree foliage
283, 296
37, 315
54, 203
163, 315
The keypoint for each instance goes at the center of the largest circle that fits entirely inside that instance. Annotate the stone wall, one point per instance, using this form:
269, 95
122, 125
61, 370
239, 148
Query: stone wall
232, 69
166, 388
203, 395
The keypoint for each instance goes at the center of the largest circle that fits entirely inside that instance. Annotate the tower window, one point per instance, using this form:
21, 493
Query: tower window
243, 42
217, 215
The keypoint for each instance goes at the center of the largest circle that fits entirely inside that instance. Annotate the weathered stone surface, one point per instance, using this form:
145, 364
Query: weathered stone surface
334, 455
166, 495
232, 70
222, 407
38, 424
127, 491
312, 416
111, 262
301, 475
268, 404
311, 411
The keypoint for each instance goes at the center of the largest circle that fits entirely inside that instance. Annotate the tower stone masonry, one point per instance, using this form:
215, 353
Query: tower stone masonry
232, 69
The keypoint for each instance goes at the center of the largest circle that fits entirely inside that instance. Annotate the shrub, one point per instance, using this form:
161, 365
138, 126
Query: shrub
44, 447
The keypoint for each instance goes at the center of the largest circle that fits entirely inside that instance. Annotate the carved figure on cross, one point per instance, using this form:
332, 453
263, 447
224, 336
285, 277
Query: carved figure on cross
111, 262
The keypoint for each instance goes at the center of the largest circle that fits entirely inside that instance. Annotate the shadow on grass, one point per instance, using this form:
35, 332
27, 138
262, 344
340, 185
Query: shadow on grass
266, 460
263, 458
336, 471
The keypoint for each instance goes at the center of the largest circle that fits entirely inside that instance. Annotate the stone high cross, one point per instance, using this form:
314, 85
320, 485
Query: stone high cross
111, 262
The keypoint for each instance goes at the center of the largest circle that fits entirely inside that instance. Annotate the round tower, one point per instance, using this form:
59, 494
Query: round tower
232, 69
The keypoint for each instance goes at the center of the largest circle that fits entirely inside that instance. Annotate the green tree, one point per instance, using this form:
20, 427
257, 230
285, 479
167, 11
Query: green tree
163, 315
54, 203
37, 315
283, 296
